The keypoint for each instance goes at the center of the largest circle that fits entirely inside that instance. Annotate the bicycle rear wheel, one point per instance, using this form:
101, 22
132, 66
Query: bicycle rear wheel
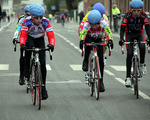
97, 78
136, 91
38, 84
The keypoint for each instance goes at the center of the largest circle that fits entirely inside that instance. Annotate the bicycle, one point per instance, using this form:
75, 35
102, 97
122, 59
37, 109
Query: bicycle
35, 80
93, 74
136, 73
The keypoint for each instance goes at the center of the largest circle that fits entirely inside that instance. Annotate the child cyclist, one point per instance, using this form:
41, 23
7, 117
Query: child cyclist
93, 32
32, 35
100, 7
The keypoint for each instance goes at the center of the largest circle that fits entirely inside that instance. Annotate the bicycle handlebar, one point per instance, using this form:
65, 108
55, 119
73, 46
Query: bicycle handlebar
34, 49
95, 45
134, 42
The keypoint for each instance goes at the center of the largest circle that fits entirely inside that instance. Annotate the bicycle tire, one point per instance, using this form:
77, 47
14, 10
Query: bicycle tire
38, 84
97, 78
32, 84
136, 91
91, 83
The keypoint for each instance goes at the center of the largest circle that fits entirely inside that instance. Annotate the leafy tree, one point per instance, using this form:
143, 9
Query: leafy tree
72, 4
50, 3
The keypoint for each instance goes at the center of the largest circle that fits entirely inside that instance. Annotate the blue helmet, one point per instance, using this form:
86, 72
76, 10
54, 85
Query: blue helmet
100, 7
27, 8
37, 10
135, 4
94, 17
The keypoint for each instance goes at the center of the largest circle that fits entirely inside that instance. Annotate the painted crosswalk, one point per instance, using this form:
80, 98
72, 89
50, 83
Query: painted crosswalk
4, 66
74, 67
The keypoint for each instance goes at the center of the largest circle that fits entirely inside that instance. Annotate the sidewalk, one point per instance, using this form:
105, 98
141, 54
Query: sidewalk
6, 24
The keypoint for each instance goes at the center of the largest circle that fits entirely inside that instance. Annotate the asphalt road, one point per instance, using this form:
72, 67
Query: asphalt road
69, 97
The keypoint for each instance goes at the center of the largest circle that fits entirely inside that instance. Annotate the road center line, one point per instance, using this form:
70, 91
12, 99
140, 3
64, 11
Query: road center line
140, 93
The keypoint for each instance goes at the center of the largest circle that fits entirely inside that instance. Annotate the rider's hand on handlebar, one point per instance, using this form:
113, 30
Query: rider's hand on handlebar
110, 44
121, 42
50, 47
148, 42
15, 40
23, 47
81, 44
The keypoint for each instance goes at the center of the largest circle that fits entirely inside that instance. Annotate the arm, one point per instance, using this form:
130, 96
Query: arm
82, 34
123, 27
50, 34
23, 34
147, 26
109, 33
18, 29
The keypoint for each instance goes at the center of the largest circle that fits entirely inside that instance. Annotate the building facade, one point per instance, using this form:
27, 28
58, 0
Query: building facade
123, 5
7, 6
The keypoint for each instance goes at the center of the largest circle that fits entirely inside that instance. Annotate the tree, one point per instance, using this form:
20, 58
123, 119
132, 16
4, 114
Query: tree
72, 4
50, 3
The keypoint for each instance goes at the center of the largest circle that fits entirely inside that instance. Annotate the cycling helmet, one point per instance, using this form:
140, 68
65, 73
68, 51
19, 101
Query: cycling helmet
37, 10
94, 17
100, 7
135, 4
27, 8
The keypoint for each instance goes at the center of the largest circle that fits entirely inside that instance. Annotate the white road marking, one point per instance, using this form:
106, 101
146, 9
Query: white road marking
143, 95
4, 67
48, 67
109, 73
9, 74
72, 44
67, 81
118, 68
76, 67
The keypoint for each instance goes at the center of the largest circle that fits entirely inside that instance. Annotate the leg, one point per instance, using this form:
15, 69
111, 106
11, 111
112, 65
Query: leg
41, 44
142, 54
21, 62
101, 63
87, 52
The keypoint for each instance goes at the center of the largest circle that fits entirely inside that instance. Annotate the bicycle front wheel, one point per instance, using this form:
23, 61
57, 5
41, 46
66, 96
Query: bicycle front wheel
38, 78
97, 78
90, 71
32, 84
136, 91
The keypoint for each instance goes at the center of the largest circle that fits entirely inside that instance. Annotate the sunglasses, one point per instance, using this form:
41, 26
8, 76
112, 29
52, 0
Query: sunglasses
37, 17
27, 14
95, 23
136, 10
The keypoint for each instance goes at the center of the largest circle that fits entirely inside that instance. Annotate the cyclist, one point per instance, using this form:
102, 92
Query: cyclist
15, 39
132, 25
100, 7
62, 18
93, 32
32, 35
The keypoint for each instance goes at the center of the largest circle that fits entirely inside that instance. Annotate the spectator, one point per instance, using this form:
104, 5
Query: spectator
81, 15
116, 16
8, 18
